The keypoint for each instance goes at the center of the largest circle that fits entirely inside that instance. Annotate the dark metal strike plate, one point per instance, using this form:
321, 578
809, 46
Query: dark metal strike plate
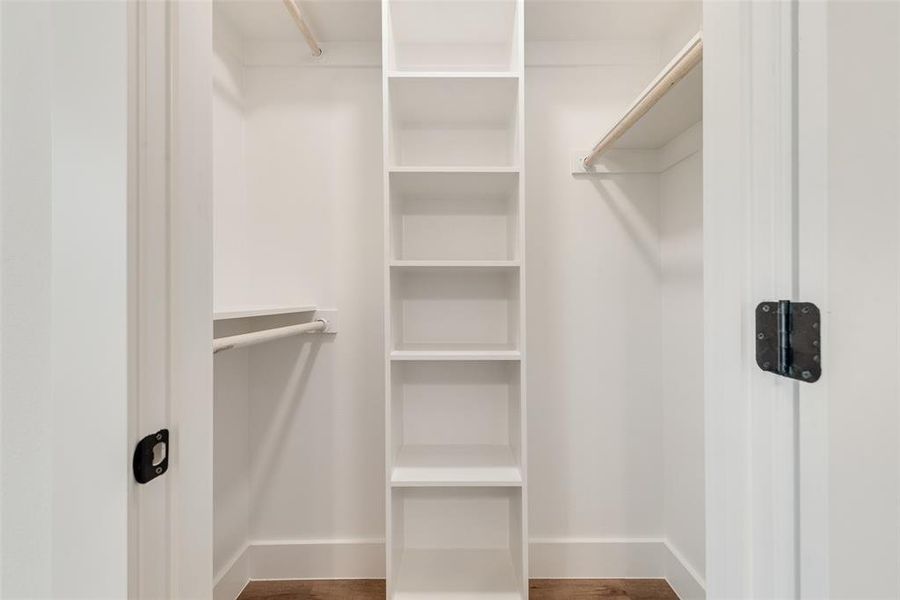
788, 339
151, 456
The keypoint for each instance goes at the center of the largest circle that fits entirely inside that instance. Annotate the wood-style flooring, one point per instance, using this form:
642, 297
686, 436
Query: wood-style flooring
540, 589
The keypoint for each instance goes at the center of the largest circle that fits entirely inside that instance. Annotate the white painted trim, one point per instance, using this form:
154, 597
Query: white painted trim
596, 558
748, 250
682, 576
234, 577
190, 322
813, 260
550, 558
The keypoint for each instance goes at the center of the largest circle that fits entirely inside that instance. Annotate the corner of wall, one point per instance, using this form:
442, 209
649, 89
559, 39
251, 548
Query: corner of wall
682, 577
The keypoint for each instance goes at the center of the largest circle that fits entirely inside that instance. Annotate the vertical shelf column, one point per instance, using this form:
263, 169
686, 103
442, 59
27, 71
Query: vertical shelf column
454, 275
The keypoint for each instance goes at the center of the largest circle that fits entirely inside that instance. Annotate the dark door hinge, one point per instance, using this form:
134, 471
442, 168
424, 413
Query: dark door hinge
151, 456
788, 339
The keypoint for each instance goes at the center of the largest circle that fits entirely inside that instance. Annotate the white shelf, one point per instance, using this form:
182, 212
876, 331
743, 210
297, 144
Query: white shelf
668, 106
260, 311
464, 264
678, 110
457, 465
453, 75
470, 355
452, 169
456, 574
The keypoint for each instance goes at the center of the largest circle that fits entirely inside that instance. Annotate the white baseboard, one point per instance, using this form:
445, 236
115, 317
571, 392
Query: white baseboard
595, 558
317, 559
682, 576
550, 558
231, 581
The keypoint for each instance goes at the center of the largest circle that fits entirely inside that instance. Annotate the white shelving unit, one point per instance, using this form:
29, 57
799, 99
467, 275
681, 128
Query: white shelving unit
454, 278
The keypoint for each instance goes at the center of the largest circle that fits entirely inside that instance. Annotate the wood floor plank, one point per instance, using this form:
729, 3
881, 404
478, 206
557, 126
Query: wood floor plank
539, 589
607, 589
347, 589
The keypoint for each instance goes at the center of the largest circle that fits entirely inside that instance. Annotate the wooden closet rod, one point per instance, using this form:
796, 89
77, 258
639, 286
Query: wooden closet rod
267, 335
292, 7
675, 71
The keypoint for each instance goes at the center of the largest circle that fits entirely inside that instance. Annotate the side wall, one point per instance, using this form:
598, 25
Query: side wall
231, 466
681, 210
595, 420
299, 472
314, 183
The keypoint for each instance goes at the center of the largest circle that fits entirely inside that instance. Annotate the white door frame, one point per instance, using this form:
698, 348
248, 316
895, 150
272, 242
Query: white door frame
750, 256
812, 253
171, 289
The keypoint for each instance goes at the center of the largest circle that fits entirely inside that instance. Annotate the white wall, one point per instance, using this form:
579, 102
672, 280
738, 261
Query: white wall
615, 341
65, 454
314, 150
231, 469
595, 419
298, 215
681, 209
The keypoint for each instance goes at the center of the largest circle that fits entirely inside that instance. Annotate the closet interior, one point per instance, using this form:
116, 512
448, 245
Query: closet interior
394, 180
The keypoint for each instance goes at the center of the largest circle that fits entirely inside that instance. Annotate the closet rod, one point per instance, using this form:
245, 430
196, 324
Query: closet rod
292, 7
675, 71
258, 337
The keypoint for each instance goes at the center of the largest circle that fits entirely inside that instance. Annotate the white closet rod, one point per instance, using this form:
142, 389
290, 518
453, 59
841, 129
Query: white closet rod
258, 337
292, 7
675, 71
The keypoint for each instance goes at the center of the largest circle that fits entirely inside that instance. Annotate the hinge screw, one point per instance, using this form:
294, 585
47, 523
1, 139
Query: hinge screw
815, 343
805, 310
767, 365
816, 358
806, 374
815, 325
158, 436
158, 470
760, 336
765, 308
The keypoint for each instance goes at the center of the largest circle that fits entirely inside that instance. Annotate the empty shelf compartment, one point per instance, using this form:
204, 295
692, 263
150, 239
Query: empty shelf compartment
454, 543
454, 121
455, 309
454, 216
453, 35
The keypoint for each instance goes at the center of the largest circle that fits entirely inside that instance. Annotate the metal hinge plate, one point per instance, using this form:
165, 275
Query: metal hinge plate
788, 339
151, 456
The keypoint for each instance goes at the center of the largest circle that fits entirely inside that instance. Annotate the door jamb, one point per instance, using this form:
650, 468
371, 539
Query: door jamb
749, 256
170, 285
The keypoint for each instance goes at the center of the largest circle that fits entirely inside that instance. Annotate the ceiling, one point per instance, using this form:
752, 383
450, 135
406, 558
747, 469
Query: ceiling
545, 20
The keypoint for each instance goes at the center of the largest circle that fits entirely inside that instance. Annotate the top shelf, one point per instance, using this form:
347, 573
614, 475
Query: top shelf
260, 311
668, 106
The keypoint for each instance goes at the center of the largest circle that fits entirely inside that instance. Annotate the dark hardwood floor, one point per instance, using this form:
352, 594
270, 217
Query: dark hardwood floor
540, 589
